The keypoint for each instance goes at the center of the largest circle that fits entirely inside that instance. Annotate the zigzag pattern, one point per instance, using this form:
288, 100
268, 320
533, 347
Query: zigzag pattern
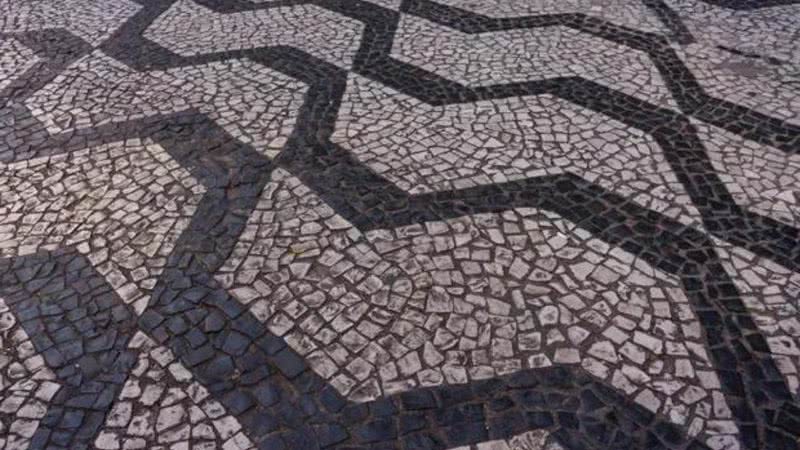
256, 295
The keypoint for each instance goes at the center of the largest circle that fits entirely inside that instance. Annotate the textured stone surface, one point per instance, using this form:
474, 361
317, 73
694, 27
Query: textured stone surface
396, 224
466, 299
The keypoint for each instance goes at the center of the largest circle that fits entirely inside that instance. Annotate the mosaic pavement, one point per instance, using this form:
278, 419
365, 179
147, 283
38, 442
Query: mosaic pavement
399, 224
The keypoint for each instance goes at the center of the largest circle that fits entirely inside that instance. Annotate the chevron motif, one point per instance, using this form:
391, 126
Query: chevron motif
399, 224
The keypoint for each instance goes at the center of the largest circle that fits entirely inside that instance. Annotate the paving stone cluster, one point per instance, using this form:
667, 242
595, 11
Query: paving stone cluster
469, 299
122, 205
161, 406
28, 384
86, 19
188, 28
632, 14
423, 149
527, 55
399, 224
532, 440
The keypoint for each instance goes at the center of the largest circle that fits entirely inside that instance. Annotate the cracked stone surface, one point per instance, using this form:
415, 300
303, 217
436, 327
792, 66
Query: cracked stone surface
399, 224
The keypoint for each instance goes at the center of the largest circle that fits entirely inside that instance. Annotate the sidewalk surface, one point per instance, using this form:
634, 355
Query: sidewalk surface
399, 224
